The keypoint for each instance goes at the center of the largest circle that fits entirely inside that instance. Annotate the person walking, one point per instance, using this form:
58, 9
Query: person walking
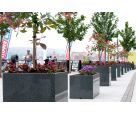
55, 58
28, 58
14, 59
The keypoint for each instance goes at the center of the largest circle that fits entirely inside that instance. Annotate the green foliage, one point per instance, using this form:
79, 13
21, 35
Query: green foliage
128, 38
104, 23
73, 29
100, 45
37, 21
86, 60
4, 28
10, 20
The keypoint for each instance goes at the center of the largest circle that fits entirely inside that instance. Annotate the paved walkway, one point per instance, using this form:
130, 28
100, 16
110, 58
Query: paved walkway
134, 94
115, 92
1, 97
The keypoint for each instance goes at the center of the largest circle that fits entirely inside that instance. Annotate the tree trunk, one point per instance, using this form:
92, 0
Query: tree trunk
99, 56
69, 48
1, 55
34, 50
105, 55
108, 57
117, 49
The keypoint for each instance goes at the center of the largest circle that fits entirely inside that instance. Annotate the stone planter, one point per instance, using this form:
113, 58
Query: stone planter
125, 67
122, 69
34, 87
105, 78
128, 66
84, 86
118, 70
113, 72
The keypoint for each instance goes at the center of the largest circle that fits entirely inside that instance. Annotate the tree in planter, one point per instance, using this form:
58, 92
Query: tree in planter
111, 49
128, 38
8, 20
72, 27
104, 23
99, 45
38, 22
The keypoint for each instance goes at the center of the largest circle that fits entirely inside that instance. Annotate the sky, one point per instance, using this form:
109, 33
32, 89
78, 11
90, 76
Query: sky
56, 41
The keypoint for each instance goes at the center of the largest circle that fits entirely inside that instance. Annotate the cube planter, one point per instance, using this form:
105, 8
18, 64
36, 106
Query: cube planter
33, 87
122, 69
129, 66
132, 66
118, 70
105, 78
113, 72
125, 67
84, 86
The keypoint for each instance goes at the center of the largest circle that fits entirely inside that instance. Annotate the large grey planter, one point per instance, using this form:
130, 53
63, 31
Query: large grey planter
122, 69
128, 66
84, 86
125, 67
33, 87
118, 70
105, 78
113, 72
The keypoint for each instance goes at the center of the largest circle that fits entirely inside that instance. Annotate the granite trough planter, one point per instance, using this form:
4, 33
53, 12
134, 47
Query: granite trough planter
34, 87
113, 72
105, 78
118, 70
122, 69
125, 67
84, 86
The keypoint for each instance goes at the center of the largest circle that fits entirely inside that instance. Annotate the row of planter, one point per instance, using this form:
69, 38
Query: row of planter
87, 86
48, 87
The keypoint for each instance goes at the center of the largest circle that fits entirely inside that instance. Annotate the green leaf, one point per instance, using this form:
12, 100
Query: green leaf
49, 22
53, 26
43, 46
23, 30
43, 29
29, 24
48, 27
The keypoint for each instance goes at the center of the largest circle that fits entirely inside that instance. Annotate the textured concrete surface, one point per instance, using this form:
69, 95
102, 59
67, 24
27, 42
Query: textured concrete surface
134, 94
1, 93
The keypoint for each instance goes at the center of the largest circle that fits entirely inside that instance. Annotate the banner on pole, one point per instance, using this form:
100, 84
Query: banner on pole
67, 53
5, 44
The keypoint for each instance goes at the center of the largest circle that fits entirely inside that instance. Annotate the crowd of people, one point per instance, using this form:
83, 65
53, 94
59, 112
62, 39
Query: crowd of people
28, 59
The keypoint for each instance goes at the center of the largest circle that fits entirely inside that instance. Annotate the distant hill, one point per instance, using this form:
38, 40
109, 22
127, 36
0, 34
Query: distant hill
42, 54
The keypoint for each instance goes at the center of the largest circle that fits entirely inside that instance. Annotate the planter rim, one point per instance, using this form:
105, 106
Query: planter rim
84, 75
35, 73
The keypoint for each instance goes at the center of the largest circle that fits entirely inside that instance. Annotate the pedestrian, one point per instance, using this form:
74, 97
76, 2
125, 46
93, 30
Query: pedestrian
28, 58
79, 65
55, 59
14, 59
50, 57
46, 61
